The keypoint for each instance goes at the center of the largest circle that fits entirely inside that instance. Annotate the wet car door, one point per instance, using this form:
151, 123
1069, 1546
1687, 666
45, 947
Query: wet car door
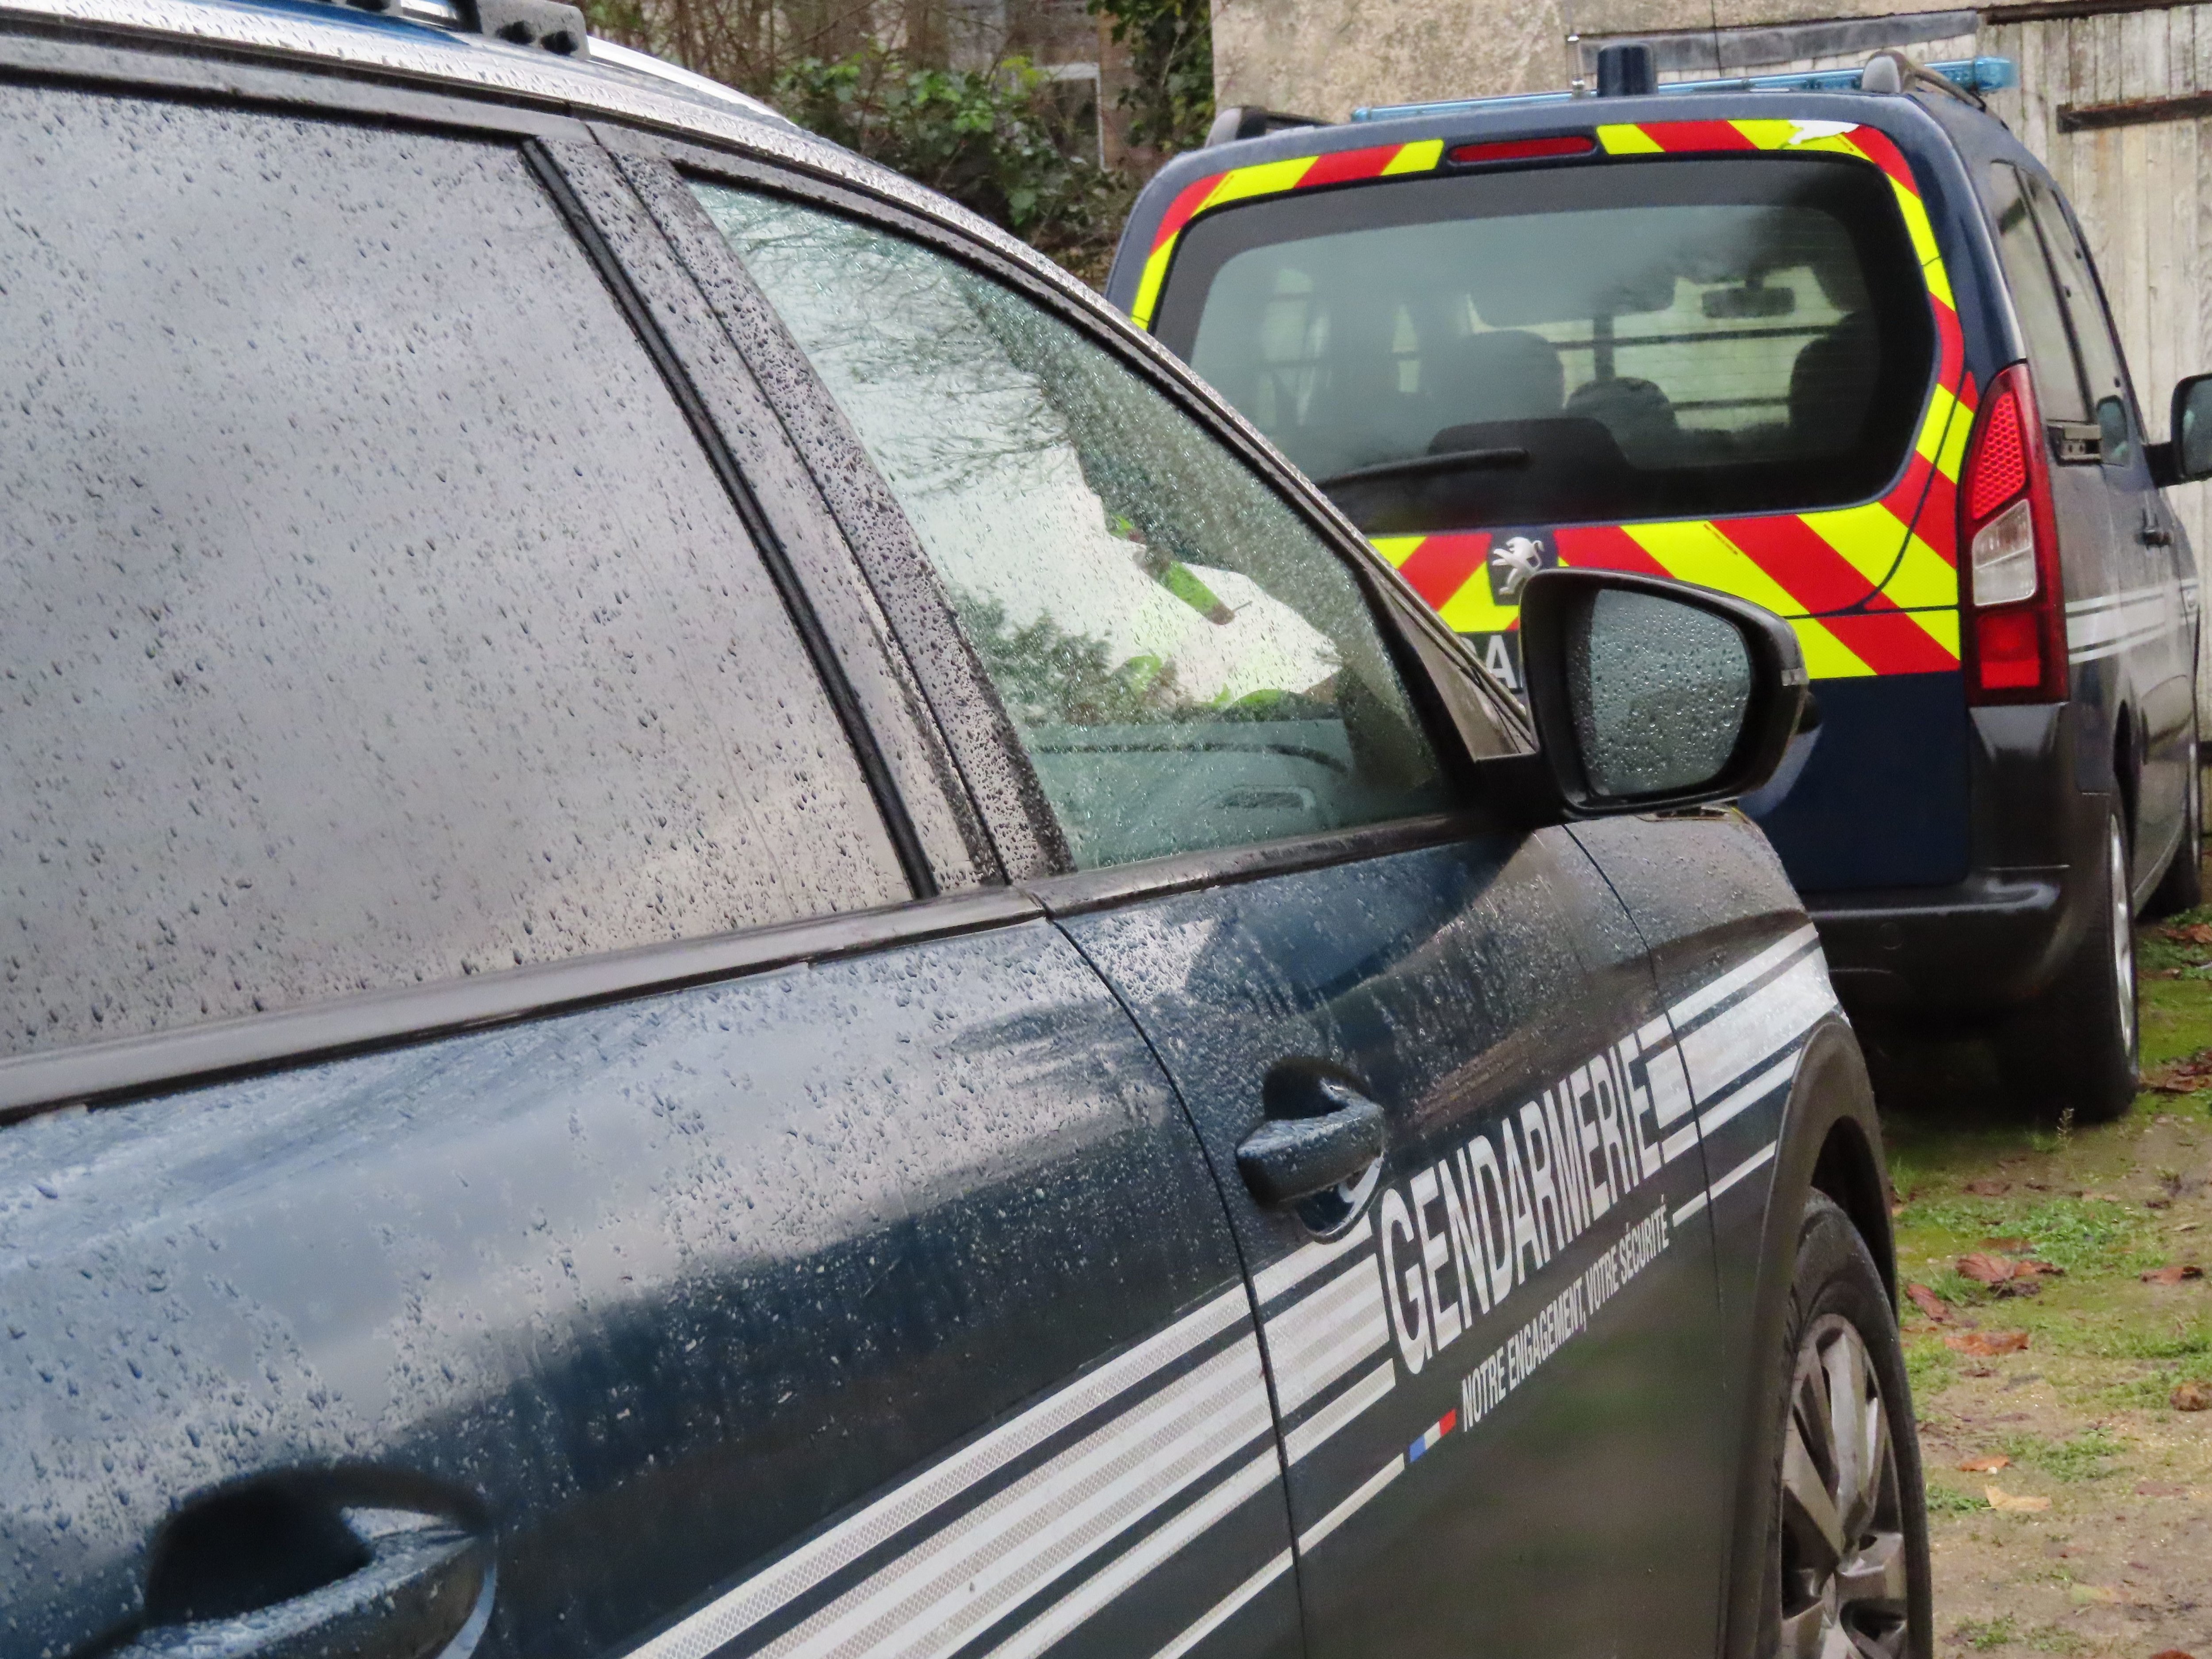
2150, 618
2129, 636
1494, 1356
567, 1188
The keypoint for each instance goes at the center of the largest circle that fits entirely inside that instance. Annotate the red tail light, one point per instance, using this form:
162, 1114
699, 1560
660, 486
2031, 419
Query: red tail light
2008, 583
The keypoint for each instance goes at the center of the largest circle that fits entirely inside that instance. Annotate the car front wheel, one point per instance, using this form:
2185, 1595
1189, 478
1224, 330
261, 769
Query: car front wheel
1847, 1558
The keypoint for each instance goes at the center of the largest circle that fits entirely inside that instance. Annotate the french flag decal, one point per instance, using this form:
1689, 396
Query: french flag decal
1437, 1431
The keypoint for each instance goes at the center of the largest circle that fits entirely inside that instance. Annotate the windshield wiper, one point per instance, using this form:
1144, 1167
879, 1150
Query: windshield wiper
1421, 467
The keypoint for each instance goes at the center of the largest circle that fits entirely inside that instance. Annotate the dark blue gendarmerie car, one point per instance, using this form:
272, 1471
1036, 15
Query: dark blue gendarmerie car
725, 931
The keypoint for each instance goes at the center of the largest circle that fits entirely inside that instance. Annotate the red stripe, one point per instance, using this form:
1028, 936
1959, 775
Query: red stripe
1179, 210
1445, 1423
1676, 136
1440, 566
1890, 642
1792, 551
1605, 547
1342, 166
1884, 154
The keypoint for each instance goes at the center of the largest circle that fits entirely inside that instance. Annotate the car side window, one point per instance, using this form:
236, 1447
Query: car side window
2093, 339
369, 614
1187, 665
2035, 298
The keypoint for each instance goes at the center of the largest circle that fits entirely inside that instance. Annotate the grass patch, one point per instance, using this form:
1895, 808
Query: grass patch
2056, 1638
2087, 1456
1984, 1634
1949, 1500
1929, 1367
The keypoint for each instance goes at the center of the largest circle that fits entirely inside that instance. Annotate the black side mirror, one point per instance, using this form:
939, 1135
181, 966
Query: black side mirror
2187, 452
1648, 693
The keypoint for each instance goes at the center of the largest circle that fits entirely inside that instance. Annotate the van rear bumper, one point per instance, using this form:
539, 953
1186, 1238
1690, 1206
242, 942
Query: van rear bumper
1983, 946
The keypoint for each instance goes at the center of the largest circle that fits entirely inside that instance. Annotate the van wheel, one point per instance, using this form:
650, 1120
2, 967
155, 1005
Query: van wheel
1847, 1569
2076, 1045
2182, 887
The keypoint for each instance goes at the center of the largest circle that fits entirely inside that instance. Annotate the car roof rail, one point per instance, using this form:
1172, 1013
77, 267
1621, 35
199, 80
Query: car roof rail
1963, 78
547, 25
1248, 121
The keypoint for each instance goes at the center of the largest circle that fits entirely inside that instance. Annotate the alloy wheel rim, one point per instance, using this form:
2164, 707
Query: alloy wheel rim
1843, 1560
2123, 942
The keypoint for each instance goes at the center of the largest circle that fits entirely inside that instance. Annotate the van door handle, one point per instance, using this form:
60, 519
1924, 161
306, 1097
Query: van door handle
424, 1591
1288, 1158
2152, 531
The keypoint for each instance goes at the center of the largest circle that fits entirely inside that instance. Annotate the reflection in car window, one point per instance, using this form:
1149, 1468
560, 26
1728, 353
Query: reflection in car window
1187, 665
2085, 314
2035, 301
369, 615
1680, 338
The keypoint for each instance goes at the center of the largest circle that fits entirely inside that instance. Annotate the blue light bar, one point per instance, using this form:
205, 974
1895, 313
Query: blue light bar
1971, 74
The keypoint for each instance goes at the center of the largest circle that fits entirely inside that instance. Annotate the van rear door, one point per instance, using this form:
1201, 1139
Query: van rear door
1722, 351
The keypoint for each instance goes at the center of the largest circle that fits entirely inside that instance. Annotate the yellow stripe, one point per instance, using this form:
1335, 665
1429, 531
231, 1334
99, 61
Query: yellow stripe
1826, 657
1934, 427
1953, 455
1924, 241
1472, 610
1620, 139
1940, 626
1416, 158
1148, 285
1398, 548
1766, 134
1696, 551
1868, 537
1267, 178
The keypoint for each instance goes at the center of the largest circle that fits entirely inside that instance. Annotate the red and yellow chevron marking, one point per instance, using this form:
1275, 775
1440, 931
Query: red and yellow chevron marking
1872, 589
1342, 166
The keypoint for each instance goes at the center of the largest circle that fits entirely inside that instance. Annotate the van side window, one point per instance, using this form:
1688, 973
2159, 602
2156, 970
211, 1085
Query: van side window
2035, 299
1187, 664
2085, 311
369, 614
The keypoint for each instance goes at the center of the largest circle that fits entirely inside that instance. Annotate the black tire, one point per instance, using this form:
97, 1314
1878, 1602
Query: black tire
2182, 887
2075, 1048
1847, 1541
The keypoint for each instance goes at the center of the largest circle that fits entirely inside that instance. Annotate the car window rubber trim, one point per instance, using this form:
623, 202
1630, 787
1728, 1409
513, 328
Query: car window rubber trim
1087, 891
135, 1067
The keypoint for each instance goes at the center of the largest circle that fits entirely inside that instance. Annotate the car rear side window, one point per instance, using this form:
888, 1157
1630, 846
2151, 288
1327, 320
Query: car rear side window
2105, 381
1187, 664
369, 615
1624, 340
2035, 299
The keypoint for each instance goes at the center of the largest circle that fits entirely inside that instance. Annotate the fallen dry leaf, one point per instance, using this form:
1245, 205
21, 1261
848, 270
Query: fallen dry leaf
2172, 1653
2018, 1503
2177, 1077
2188, 1397
2009, 1246
1929, 1303
1985, 1269
1987, 1343
1989, 1465
1989, 1186
2173, 1275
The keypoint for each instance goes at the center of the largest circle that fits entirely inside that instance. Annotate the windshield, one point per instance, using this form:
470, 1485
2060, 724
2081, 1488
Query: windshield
1670, 339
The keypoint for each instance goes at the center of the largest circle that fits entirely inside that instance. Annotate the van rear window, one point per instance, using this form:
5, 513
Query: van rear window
1685, 339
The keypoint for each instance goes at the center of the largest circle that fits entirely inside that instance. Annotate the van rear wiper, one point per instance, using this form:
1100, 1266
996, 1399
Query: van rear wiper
1421, 467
